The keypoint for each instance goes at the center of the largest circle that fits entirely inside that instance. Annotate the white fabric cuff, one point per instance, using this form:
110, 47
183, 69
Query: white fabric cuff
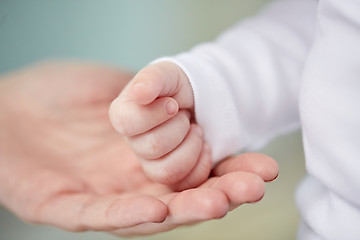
215, 110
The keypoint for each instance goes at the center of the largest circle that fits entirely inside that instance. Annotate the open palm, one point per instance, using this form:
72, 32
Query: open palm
64, 165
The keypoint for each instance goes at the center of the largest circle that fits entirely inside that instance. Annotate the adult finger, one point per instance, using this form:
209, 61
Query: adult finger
257, 163
187, 207
240, 187
79, 212
211, 200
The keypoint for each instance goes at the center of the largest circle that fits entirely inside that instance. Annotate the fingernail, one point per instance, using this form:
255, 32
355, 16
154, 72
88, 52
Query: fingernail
198, 131
171, 107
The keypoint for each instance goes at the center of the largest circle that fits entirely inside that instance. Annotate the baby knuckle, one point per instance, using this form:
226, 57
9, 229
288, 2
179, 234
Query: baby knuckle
116, 116
155, 147
174, 173
122, 123
167, 177
160, 173
184, 122
152, 72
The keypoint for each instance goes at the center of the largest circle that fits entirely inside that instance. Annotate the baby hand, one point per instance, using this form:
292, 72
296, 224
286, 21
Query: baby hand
154, 113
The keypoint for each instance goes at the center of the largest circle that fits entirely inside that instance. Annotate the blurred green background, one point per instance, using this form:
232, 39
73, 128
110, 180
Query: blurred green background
129, 34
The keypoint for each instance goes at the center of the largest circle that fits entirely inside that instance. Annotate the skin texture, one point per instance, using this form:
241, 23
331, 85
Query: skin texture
63, 164
155, 113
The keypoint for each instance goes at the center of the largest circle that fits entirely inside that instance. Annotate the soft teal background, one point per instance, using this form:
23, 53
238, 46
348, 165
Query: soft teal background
129, 34
124, 32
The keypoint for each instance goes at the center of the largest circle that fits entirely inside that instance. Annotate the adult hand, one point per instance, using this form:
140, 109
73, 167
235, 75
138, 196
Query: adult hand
62, 163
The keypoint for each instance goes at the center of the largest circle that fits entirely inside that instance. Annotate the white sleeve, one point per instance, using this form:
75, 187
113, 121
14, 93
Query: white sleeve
329, 199
246, 83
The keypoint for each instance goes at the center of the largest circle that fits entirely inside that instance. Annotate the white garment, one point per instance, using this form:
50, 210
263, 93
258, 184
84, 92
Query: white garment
249, 83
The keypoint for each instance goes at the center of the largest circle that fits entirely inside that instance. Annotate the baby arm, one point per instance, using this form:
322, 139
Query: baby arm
154, 113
